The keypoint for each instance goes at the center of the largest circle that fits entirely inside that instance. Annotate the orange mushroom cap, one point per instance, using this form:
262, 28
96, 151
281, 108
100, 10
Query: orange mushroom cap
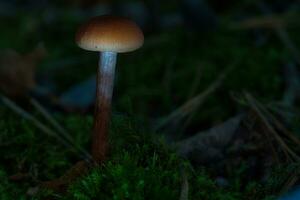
110, 33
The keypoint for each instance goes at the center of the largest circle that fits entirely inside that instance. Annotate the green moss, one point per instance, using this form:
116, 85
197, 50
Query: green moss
140, 165
9, 190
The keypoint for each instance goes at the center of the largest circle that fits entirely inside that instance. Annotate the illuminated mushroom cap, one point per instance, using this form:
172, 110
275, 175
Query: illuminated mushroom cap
110, 33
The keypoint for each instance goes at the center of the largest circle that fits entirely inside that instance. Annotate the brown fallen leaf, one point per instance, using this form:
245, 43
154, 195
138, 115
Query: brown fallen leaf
255, 133
17, 71
208, 146
256, 138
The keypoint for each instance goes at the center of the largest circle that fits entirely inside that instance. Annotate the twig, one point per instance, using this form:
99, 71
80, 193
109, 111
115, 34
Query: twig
18, 110
291, 181
268, 22
167, 78
254, 104
10, 104
191, 93
191, 105
196, 81
253, 119
58, 127
282, 34
52, 121
280, 127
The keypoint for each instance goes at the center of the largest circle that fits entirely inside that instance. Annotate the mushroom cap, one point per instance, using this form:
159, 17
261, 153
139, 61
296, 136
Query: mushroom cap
109, 33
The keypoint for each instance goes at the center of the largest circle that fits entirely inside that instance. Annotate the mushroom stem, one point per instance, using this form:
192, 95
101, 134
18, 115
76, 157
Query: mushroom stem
105, 84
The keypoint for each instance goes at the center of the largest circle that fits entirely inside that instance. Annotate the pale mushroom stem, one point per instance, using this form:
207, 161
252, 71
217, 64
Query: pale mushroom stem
105, 84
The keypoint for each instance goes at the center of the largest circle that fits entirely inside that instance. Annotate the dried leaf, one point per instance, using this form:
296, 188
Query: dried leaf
209, 145
17, 71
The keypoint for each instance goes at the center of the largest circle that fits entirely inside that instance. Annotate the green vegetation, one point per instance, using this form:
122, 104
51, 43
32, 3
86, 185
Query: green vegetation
141, 166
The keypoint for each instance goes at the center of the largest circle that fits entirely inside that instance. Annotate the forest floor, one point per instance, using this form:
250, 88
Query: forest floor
210, 114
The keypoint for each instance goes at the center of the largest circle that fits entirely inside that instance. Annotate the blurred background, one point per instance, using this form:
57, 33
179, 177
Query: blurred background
226, 68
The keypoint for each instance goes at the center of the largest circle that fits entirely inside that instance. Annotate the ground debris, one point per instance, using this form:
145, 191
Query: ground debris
208, 146
256, 138
17, 71
61, 184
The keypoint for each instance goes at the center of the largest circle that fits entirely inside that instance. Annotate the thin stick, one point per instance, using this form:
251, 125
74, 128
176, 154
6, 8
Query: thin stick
284, 146
52, 121
282, 34
196, 81
18, 110
167, 78
279, 125
246, 122
253, 104
58, 127
191, 105
293, 178
10, 104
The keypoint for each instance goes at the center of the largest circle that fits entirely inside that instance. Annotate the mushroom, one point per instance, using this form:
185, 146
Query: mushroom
108, 35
